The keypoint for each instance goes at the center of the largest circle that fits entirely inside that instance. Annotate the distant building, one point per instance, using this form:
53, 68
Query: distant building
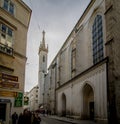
83, 79
26, 101
14, 22
32, 97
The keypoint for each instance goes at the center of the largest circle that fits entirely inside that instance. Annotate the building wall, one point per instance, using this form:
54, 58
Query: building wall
14, 64
83, 42
47, 92
52, 74
112, 49
73, 91
33, 99
103, 80
70, 81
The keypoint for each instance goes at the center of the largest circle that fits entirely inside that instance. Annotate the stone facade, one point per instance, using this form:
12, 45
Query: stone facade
33, 99
84, 75
112, 17
14, 23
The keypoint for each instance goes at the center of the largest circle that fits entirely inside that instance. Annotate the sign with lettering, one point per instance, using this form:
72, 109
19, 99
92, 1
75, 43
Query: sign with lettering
6, 84
4, 100
18, 100
9, 77
8, 93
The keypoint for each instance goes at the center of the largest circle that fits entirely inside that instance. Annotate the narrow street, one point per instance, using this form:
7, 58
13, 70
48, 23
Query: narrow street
46, 120
60, 120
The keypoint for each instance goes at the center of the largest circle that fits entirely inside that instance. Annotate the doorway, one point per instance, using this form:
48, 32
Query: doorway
63, 105
88, 102
2, 111
91, 110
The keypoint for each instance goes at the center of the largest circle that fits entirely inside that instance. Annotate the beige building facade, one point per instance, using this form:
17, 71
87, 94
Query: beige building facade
84, 76
32, 96
14, 23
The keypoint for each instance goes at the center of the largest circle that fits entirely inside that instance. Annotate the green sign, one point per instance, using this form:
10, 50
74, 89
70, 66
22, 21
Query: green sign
18, 100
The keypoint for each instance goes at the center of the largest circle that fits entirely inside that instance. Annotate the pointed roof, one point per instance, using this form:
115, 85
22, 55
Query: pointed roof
43, 47
43, 39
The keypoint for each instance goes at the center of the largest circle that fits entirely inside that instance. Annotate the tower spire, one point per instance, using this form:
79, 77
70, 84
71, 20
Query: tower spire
42, 44
43, 39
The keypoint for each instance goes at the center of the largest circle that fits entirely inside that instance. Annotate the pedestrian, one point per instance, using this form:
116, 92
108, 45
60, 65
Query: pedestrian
26, 117
14, 118
20, 119
36, 119
47, 112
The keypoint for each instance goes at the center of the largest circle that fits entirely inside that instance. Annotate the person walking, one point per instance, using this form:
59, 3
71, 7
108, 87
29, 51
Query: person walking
36, 119
27, 117
20, 119
14, 118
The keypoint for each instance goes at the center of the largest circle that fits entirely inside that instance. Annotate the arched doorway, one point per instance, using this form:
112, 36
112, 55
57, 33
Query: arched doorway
63, 105
88, 102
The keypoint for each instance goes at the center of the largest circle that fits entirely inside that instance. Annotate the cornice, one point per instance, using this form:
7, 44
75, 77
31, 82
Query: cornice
20, 55
6, 68
12, 17
7, 22
105, 60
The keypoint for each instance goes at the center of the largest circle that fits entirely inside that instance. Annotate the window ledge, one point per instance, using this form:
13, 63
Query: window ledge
6, 50
73, 70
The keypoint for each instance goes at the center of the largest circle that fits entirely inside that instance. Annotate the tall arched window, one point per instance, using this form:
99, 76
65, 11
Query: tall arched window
97, 38
43, 58
73, 58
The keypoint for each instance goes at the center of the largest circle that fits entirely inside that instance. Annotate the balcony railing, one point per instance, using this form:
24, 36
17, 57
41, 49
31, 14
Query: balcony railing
5, 49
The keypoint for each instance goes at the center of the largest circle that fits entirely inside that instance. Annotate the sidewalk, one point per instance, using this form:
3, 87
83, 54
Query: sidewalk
73, 121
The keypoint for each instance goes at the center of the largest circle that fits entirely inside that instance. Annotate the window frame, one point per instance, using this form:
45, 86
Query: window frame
97, 39
8, 38
10, 7
73, 59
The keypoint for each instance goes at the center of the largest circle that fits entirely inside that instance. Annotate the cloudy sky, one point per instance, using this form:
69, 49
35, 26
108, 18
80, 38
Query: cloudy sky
57, 18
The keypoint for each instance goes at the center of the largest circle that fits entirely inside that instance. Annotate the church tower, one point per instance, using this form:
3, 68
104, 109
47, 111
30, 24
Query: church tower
43, 52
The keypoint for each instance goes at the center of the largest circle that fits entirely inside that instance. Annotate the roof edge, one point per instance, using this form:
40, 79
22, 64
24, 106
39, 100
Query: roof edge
81, 18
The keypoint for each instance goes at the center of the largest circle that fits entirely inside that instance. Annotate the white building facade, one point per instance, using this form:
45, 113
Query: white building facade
83, 77
32, 96
14, 23
78, 72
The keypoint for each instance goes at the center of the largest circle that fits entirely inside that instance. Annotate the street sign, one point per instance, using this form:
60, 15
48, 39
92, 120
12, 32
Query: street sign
6, 93
9, 77
18, 100
7, 84
4, 100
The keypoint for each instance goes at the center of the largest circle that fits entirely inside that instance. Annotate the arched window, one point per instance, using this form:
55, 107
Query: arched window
43, 58
97, 39
73, 58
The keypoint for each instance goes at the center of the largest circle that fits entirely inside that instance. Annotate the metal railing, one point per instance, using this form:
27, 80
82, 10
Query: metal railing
6, 49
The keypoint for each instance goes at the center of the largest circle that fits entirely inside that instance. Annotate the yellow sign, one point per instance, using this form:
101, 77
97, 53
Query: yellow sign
8, 93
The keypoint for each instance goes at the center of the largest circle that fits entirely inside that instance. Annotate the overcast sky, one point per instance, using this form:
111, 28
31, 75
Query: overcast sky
57, 18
